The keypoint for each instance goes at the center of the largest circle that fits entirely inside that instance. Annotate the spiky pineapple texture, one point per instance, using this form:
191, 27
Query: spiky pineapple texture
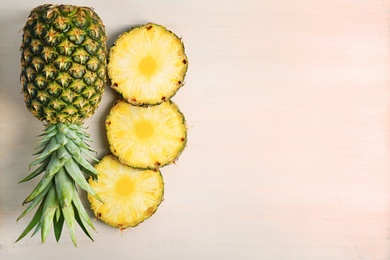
63, 63
63, 77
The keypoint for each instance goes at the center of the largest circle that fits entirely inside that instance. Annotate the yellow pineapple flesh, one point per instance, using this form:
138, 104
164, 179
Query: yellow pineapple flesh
129, 195
147, 64
146, 137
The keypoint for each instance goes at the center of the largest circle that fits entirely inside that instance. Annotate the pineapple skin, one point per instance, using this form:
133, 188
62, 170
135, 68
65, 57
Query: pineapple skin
63, 62
140, 90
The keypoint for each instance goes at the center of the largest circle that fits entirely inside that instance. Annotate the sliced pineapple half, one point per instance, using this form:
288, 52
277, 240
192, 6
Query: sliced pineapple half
129, 195
147, 64
146, 137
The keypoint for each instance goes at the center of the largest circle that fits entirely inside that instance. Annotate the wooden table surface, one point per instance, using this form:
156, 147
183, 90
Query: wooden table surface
288, 157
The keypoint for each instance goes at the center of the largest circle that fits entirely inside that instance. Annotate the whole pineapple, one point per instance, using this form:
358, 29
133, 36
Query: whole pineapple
63, 76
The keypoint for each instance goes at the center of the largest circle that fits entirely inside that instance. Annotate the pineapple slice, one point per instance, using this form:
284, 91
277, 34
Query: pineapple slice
146, 137
129, 195
147, 64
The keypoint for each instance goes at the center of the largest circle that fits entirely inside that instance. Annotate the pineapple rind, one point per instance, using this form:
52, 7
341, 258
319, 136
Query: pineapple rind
163, 148
56, 193
130, 48
63, 60
124, 211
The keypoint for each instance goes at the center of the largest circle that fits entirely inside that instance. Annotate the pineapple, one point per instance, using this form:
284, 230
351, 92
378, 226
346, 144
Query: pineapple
146, 137
130, 195
147, 65
63, 75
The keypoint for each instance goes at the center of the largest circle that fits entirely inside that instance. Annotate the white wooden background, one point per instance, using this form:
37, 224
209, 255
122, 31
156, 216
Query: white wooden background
288, 107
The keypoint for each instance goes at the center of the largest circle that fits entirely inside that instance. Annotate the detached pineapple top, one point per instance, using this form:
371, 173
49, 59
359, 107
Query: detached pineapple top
147, 65
63, 63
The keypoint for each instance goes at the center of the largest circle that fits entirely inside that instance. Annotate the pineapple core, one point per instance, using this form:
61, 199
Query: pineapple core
124, 186
148, 66
144, 129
